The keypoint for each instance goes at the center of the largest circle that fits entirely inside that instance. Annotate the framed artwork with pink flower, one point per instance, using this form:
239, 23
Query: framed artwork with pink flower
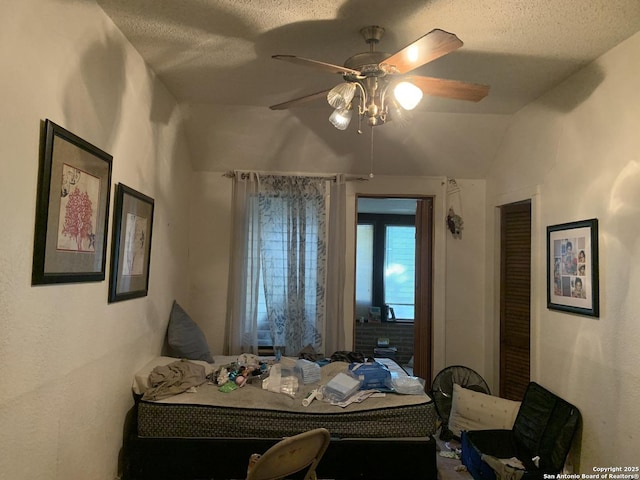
72, 209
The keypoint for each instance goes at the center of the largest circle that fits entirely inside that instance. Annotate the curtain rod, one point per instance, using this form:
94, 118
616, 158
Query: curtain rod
347, 178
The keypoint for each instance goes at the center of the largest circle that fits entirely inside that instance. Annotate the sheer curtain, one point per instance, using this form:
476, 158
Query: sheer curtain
334, 330
244, 268
285, 229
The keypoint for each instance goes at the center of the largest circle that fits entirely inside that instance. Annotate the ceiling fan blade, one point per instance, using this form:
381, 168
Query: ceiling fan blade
427, 48
450, 88
327, 67
296, 101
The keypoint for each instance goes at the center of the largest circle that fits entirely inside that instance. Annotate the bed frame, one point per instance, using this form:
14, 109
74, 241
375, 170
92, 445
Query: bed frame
227, 458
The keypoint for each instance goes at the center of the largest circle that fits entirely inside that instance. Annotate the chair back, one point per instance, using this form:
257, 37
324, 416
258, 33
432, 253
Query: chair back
291, 455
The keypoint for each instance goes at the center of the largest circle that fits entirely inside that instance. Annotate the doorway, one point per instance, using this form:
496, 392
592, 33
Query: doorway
515, 299
393, 294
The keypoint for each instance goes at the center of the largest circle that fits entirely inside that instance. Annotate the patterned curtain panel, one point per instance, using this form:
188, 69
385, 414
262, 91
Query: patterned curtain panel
293, 254
278, 277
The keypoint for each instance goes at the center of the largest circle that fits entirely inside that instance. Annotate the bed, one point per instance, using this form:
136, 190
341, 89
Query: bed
207, 434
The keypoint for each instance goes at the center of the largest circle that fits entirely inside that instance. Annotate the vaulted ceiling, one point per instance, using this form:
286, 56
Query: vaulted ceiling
214, 56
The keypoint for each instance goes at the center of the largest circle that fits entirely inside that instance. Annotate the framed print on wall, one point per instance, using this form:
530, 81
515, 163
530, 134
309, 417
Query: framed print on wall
72, 209
131, 244
572, 268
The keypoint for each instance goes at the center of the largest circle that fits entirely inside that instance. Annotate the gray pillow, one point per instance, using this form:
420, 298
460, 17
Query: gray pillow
185, 338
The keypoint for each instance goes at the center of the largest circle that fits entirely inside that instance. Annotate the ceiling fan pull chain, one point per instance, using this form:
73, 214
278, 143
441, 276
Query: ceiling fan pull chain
360, 118
371, 166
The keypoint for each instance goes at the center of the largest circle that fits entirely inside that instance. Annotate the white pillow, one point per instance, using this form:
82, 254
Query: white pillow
471, 410
141, 378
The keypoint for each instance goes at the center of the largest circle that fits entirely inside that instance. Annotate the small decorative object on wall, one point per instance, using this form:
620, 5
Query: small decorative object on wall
454, 223
572, 267
131, 244
72, 209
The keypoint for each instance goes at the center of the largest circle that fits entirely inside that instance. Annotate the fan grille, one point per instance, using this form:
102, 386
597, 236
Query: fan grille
442, 388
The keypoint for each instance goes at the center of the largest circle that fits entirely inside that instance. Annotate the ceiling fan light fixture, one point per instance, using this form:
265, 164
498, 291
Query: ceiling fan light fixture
407, 95
341, 118
340, 96
399, 114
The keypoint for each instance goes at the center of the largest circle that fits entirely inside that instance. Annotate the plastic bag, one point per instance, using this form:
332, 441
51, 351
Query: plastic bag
282, 380
373, 375
308, 371
407, 385
340, 387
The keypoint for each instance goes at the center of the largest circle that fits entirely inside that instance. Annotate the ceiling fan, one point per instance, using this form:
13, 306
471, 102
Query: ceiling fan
369, 76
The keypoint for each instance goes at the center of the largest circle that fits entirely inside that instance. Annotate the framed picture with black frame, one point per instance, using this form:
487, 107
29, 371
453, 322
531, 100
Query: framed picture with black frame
72, 209
131, 244
572, 268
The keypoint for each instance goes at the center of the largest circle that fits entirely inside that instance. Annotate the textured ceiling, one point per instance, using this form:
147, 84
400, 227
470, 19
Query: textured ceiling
215, 58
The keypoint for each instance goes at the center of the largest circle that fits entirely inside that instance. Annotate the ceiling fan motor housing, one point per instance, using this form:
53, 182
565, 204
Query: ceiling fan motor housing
367, 62
372, 34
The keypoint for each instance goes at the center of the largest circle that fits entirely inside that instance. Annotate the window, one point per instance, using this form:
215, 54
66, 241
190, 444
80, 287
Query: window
280, 263
290, 294
400, 270
385, 264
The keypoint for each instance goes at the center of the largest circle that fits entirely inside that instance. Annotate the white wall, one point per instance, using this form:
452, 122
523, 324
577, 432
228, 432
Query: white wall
67, 356
465, 294
577, 150
209, 255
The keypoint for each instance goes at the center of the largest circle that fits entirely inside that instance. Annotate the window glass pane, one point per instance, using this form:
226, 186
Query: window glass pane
399, 270
264, 337
364, 270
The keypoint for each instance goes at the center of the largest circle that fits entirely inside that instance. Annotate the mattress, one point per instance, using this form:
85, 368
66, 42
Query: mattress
252, 412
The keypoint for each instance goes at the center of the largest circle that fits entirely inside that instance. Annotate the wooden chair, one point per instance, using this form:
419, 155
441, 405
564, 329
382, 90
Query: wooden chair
289, 456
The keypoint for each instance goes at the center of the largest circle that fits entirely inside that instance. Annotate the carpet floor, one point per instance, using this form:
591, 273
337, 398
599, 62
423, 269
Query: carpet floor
448, 461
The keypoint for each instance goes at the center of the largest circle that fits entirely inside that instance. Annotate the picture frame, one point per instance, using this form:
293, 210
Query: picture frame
131, 244
572, 268
72, 209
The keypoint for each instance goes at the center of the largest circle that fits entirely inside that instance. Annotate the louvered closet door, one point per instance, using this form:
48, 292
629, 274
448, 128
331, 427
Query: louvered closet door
515, 299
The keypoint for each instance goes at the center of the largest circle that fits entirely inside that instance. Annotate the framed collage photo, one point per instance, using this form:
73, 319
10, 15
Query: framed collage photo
572, 268
72, 209
131, 244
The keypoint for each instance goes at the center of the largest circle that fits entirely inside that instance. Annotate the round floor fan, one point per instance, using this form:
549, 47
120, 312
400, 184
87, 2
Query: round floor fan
442, 391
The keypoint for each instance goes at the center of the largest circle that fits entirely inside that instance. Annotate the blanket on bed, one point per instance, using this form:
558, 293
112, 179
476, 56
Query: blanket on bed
177, 377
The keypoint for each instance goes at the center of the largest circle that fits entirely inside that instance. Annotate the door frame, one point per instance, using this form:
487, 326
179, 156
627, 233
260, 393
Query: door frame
423, 323
538, 275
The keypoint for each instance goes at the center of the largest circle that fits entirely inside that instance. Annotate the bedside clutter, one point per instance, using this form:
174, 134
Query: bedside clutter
385, 352
399, 335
